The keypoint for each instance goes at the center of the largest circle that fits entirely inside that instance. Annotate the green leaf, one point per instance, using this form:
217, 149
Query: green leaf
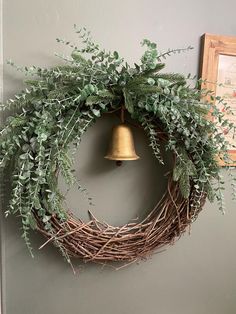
106, 94
177, 172
151, 81
77, 56
128, 101
184, 184
32, 222
92, 100
116, 55
46, 218
96, 112
210, 193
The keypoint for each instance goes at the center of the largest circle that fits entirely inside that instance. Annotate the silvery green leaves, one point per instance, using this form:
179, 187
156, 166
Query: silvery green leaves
102, 98
129, 104
153, 138
60, 103
183, 172
169, 52
77, 57
149, 59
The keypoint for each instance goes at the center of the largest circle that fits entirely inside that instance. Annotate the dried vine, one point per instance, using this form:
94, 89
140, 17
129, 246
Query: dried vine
100, 242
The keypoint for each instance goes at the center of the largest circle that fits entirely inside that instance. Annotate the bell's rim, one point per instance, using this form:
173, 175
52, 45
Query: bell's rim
121, 158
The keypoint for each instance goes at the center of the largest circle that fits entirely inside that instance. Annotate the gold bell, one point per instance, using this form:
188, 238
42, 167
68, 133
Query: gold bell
121, 145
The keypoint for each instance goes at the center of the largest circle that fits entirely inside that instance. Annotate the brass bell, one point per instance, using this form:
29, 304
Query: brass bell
121, 145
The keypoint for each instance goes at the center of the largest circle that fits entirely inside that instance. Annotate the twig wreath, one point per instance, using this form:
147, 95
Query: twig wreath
56, 109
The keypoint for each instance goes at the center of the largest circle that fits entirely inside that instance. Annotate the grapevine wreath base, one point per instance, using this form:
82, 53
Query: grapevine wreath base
56, 109
100, 242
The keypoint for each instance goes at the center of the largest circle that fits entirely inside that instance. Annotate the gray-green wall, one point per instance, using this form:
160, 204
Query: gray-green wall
195, 276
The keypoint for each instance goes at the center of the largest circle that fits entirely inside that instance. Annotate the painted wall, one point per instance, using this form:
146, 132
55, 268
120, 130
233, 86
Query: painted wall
198, 274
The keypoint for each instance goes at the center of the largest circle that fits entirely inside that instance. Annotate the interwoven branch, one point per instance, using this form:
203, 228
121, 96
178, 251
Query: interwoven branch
100, 242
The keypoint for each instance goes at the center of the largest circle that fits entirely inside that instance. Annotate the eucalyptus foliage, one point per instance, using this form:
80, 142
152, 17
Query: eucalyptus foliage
60, 103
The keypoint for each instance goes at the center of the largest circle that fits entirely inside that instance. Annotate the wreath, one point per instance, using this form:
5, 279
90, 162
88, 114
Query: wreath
56, 109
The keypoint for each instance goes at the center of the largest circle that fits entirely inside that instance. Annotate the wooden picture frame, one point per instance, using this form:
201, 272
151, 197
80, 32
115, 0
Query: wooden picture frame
218, 65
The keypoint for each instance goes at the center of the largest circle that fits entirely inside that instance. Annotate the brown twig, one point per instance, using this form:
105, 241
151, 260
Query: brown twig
100, 242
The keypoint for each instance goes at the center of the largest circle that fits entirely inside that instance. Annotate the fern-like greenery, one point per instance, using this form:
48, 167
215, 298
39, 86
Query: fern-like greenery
60, 103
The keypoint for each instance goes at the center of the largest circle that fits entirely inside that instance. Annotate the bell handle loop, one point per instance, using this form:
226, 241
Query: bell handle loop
122, 114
